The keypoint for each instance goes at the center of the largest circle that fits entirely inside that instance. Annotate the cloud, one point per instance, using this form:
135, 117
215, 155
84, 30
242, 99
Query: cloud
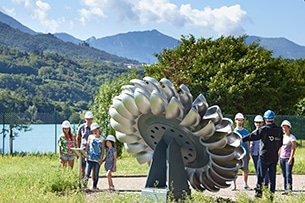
39, 10
10, 12
28, 4
223, 21
40, 13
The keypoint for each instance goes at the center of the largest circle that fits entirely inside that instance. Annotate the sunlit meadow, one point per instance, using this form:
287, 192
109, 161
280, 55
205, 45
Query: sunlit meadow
40, 178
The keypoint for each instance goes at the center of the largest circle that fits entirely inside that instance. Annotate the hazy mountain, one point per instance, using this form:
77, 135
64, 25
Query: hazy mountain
15, 24
141, 46
280, 47
135, 45
49, 43
67, 38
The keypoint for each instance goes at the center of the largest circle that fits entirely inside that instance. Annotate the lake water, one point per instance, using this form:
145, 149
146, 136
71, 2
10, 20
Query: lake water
42, 138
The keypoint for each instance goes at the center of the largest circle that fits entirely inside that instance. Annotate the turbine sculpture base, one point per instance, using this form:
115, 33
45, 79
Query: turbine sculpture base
167, 172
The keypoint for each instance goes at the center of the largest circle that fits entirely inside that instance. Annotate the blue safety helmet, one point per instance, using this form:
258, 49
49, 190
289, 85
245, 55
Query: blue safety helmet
269, 115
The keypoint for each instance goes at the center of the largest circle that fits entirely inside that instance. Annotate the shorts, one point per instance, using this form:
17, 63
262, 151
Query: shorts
246, 163
67, 157
84, 162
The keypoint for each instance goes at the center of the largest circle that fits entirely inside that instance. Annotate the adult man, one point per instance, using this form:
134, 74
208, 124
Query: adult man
239, 119
271, 137
82, 136
254, 145
255, 148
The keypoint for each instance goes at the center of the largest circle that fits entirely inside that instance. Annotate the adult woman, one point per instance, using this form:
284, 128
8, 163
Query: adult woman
287, 156
65, 142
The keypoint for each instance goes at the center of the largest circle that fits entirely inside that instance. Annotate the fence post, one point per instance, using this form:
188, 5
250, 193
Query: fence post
302, 120
3, 133
106, 122
55, 136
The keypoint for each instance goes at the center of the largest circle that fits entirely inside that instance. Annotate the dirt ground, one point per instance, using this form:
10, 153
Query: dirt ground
137, 183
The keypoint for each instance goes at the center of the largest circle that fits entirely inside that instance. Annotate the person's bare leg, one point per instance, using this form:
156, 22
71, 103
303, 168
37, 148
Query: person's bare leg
83, 171
234, 185
109, 178
245, 175
64, 163
71, 163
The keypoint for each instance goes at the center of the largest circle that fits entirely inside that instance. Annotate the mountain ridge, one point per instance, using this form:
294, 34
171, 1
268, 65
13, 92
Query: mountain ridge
138, 45
14, 38
15, 24
142, 45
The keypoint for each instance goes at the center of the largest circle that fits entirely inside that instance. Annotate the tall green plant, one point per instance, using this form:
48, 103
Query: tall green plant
103, 100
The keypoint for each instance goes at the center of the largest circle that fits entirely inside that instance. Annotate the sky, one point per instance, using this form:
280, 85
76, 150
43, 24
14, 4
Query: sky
201, 18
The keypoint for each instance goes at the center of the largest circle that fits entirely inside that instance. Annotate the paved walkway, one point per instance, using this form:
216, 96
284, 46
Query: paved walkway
137, 183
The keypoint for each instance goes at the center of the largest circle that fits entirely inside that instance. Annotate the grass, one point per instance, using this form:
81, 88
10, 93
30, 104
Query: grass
40, 178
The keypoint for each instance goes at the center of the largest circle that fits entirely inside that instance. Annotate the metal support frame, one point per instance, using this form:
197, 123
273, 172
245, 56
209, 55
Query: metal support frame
172, 175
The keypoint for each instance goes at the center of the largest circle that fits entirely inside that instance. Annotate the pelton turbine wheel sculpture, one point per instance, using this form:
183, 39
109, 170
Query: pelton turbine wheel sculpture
181, 138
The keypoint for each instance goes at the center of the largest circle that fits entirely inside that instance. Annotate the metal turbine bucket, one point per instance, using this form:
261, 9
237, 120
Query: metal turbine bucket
147, 111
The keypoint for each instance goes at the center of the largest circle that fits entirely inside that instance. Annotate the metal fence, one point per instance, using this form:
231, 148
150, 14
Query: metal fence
14, 123
9, 118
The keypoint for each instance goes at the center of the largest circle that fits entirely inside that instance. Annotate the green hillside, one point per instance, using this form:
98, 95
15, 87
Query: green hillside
46, 81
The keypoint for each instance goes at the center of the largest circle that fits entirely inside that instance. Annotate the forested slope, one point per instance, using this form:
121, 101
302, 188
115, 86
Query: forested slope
48, 81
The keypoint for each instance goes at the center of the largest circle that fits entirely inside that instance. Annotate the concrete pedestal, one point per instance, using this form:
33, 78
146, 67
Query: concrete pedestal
154, 194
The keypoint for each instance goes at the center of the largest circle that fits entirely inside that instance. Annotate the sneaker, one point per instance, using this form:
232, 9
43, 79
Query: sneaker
247, 187
84, 183
234, 188
287, 192
111, 188
258, 195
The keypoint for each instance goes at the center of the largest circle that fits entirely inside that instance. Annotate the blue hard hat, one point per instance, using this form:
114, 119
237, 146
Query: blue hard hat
269, 114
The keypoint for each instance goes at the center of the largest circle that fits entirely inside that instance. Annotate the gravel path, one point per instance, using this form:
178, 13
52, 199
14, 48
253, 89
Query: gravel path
137, 183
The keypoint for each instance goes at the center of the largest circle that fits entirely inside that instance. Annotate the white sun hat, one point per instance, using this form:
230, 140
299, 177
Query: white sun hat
286, 122
94, 126
258, 118
239, 116
89, 114
66, 124
110, 138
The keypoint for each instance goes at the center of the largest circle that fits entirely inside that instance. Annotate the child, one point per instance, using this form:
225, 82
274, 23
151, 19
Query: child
110, 160
65, 142
95, 150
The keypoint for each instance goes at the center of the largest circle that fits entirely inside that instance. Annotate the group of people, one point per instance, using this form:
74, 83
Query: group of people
93, 143
266, 145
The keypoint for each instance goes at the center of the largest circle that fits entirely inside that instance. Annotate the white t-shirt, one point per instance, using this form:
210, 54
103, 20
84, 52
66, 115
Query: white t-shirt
287, 146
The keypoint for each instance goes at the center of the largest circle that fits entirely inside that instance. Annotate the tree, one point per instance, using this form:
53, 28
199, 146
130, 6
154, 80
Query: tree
16, 123
103, 100
31, 113
236, 76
